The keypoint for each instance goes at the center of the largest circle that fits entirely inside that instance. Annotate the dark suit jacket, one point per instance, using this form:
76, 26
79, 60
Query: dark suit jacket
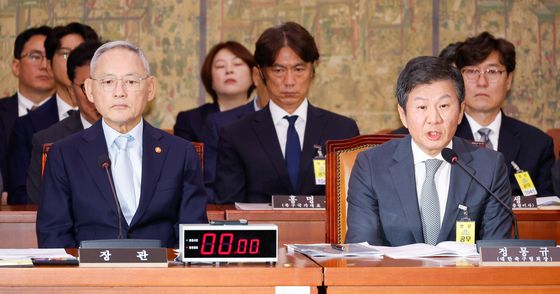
190, 124
77, 203
556, 177
383, 205
251, 167
19, 151
8, 115
529, 147
59, 130
214, 123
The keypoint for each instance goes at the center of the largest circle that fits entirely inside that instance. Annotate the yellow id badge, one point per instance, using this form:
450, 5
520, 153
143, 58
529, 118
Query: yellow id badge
465, 231
525, 183
319, 168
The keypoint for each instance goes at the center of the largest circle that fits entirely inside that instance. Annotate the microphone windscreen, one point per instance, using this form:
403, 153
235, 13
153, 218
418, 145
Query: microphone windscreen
104, 161
449, 155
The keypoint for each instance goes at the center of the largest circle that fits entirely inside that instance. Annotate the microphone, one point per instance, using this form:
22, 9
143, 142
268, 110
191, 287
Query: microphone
105, 163
452, 157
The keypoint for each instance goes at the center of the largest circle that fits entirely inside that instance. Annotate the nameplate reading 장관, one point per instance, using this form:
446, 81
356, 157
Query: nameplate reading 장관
520, 256
123, 257
298, 202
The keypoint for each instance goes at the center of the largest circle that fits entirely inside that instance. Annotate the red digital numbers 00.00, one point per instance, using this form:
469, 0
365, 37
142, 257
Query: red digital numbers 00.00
225, 245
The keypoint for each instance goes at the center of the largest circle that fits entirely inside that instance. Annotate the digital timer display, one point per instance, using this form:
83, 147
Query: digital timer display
229, 242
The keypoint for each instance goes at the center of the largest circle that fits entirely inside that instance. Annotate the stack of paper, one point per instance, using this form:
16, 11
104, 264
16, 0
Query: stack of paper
22, 257
447, 248
550, 202
335, 250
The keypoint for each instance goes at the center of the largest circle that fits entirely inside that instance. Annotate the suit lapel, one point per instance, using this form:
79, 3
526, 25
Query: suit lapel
93, 147
402, 173
266, 134
313, 132
152, 164
509, 141
45, 116
464, 130
459, 184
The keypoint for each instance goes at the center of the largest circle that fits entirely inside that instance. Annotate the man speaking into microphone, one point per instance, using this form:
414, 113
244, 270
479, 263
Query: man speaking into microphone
404, 192
157, 177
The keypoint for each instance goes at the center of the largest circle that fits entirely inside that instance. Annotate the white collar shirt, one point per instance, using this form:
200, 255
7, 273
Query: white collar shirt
281, 124
494, 126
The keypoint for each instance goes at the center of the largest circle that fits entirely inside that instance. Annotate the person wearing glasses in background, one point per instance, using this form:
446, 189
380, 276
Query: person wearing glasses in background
487, 65
35, 85
78, 72
157, 176
58, 45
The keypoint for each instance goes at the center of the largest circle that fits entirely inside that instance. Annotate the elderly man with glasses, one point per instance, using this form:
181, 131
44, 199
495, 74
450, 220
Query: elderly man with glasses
487, 65
157, 177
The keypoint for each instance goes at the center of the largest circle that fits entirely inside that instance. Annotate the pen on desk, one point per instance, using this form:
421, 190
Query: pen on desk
338, 247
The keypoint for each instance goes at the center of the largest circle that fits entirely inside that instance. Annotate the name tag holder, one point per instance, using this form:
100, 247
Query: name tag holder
465, 227
298, 202
123, 257
520, 256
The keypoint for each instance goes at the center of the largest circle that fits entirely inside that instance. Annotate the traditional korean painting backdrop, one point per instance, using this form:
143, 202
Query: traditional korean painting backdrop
363, 44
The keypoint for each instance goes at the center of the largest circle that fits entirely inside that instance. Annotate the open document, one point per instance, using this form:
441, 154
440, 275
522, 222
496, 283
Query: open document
335, 250
418, 250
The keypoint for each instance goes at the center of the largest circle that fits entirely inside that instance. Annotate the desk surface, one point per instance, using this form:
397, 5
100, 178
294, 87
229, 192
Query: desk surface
291, 270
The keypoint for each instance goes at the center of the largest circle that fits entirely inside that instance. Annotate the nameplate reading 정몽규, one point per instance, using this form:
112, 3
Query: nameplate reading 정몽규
520, 256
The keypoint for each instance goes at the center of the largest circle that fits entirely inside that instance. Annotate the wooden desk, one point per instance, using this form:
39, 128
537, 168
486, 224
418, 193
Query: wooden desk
17, 224
303, 226
291, 270
539, 224
434, 275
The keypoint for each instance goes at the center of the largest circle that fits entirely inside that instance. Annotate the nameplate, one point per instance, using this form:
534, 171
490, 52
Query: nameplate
520, 256
298, 202
123, 257
524, 202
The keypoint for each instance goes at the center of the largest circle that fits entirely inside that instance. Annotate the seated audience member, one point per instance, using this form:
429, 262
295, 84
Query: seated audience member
226, 75
403, 192
487, 65
35, 85
58, 45
556, 176
448, 55
157, 176
216, 121
78, 71
271, 151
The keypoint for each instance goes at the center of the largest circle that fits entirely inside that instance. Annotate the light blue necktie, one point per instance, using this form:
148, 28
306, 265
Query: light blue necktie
429, 203
124, 177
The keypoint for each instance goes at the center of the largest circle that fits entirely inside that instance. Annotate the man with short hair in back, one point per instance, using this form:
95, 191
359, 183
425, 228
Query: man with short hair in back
487, 65
35, 85
78, 71
271, 151
58, 45
157, 177
404, 192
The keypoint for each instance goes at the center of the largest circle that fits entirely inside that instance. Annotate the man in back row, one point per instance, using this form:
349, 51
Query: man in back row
157, 176
271, 151
403, 192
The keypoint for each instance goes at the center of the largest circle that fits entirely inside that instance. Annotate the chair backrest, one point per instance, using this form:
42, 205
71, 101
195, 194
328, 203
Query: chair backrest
198, 147
555, 134
341, 155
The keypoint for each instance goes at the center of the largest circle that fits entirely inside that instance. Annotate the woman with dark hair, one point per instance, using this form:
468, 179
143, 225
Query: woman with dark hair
226, 75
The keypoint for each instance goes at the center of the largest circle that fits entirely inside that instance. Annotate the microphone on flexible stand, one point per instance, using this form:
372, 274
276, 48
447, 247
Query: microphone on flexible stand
105, 163
452, 157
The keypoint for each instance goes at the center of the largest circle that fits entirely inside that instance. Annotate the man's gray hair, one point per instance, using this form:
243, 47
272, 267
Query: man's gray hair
118, 44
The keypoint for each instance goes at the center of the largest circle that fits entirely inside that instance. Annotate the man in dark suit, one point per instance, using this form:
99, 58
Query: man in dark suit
487, 65
157, 176
58, 45
556, 176
78, 72
35, 84
271, 151
403, 192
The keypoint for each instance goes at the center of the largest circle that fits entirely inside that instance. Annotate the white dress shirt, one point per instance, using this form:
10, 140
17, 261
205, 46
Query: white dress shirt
63, 108
281, 124
24, 104
441, 178
494, 126
134, 148
86, 124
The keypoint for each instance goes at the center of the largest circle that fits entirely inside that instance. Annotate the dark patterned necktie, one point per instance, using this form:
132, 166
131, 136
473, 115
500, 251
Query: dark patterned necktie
484, 132
429, 203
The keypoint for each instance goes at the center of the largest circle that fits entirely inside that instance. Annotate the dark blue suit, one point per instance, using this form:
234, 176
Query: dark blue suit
251, 166
190, 124
8, 115
529, 147
383, 204
214, 123
77, 203
19, 151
